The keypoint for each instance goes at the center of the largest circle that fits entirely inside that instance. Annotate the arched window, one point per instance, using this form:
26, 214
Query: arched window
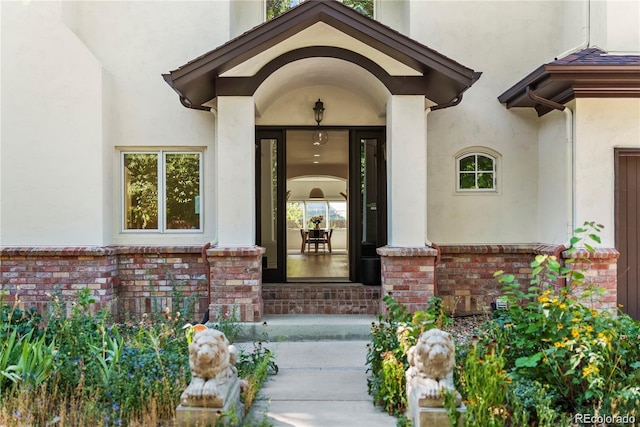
476, 171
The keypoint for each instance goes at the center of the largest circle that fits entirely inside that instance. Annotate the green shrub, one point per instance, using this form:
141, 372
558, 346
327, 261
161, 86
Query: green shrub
82, 369
572, 357
392, 336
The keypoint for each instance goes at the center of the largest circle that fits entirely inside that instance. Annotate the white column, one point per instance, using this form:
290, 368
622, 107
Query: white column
406, 171
235, 171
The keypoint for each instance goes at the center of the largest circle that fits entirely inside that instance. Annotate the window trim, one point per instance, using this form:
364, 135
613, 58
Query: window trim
162, 218
477, 151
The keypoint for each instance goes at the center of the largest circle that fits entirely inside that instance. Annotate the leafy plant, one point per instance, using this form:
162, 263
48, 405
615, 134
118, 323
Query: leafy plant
572, 357
392, 336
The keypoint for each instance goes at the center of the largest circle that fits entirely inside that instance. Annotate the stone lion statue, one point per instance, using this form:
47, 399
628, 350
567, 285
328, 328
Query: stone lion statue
431, 363
212, 361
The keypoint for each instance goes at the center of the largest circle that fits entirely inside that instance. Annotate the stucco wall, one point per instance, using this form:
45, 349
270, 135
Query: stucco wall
503, 49
82, 80
52, 164
601, 125
137, 42
555, 173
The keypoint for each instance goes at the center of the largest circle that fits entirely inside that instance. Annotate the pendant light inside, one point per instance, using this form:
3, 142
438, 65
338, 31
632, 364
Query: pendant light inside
316, 193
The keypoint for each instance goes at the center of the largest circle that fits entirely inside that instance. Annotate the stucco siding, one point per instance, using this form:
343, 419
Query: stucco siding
555, 174
471, 33
52, 183
601, 125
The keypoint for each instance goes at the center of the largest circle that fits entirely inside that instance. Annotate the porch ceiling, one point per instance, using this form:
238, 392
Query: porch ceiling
321, 29
588, 73
322, 72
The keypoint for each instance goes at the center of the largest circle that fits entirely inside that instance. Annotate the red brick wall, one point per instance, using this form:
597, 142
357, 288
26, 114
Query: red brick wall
465, 274
236, 282
32, 275
149, 277
408, 275
130, 280
601, 271
139, 279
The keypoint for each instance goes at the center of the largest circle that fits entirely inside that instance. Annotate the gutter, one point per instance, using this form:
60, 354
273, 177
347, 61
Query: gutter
455, 101
184, 101
571, 155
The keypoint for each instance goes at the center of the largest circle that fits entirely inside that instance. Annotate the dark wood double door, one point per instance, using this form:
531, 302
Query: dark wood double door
367, 202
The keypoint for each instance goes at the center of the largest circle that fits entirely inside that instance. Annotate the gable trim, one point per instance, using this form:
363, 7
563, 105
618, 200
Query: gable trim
199, 81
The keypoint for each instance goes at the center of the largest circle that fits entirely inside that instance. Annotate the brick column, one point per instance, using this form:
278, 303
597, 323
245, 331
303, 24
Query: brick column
236, 282
408, 274
601, 270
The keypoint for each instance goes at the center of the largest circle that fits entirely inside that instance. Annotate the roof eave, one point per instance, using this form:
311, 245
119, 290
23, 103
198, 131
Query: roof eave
195, 80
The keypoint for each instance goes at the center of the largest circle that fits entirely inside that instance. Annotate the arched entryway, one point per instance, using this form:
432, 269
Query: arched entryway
370, 77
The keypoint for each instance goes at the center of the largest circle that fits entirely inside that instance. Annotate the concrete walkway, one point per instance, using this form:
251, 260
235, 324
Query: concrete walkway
321, 383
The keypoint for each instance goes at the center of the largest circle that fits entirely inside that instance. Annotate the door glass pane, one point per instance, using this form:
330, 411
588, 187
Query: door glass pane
183, 191
369, 190
269, 200
141, 191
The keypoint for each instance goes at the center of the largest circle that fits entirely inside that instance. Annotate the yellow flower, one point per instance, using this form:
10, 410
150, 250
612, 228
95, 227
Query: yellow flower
605, 339
575, 320
559, 326
562, 306
589, 328
555, 300
590, 369
559, 344
594, 312
575, 333
543, 299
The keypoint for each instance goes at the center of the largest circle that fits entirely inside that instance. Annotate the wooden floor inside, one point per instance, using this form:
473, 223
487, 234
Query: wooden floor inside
322, 266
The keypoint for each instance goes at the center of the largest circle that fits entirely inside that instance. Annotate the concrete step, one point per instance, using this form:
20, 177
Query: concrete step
309, 328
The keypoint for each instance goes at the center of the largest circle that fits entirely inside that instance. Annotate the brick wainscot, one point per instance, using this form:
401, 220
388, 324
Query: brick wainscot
132, 280
463, 274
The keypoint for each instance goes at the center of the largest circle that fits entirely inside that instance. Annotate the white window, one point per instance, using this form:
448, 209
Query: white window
476, 172
162, 191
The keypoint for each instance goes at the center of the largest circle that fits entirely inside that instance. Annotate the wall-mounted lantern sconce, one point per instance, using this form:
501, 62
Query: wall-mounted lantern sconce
320, 137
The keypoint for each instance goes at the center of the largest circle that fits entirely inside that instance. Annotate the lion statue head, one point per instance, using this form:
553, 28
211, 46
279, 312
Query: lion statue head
433, 355
210, 354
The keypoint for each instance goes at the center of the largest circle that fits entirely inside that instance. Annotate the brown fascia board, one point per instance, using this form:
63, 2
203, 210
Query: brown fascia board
562, 83
516, 93
196, 76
